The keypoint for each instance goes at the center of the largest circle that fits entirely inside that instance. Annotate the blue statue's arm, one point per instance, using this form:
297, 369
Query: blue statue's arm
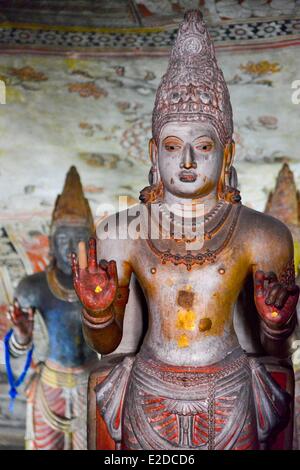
22, 315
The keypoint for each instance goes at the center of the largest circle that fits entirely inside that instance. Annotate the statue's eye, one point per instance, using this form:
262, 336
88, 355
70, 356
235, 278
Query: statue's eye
172, 147
205, 147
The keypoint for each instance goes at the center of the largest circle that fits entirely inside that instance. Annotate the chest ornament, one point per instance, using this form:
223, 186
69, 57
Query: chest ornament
58, 290
193, 257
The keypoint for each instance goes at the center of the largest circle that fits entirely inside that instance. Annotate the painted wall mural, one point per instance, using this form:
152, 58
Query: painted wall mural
80, 91
96, 114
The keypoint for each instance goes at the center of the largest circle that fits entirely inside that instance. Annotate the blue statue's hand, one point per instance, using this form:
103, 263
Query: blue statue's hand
22, 320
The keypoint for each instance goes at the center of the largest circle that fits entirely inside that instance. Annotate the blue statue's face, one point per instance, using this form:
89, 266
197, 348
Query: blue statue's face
65, 241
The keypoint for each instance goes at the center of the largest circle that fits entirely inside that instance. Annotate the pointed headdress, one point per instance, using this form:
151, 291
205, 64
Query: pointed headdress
71, 207
193, 88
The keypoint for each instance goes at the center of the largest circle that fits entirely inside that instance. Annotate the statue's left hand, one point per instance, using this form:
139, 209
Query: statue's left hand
275, 302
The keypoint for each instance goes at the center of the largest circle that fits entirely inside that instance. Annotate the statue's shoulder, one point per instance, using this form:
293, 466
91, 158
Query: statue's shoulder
29, 289
263, 228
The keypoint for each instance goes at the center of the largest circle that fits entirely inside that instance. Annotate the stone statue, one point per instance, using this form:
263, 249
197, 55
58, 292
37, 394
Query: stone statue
191, 385
56, 404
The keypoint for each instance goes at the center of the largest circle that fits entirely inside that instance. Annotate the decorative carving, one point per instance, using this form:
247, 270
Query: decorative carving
193, 88
189, 407
189, 259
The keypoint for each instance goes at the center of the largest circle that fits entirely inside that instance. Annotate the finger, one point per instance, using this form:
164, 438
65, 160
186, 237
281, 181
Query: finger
75, 266
291, 303
14, 316
92, 255
10, 312
259, 279
273, 291
82, 258
17, 311
112, 272
31, 313
281, 298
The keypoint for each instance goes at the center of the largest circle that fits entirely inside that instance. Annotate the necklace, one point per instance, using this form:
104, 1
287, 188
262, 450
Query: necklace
191, 225
58, 290
171, 216
189, 259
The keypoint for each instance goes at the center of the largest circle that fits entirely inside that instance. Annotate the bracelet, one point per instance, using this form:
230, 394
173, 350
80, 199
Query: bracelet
13, 382
97, 323
16, 349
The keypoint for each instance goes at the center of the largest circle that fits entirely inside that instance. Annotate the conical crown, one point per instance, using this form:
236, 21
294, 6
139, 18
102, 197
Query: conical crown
193, 88
283, 203
71, 206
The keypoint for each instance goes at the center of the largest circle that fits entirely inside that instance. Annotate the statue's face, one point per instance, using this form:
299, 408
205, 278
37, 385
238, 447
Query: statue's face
65, 241
190, 158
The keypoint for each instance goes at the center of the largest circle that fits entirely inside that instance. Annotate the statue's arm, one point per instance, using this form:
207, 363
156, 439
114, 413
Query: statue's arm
275, 290
103, 289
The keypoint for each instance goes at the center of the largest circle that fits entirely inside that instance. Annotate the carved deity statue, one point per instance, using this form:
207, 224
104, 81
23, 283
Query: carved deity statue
56, 403
190, 385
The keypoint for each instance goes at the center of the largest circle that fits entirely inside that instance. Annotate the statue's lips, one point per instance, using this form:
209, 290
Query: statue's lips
187, 176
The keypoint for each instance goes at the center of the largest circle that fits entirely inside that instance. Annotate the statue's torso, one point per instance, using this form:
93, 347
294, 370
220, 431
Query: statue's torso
67, 346
191, 312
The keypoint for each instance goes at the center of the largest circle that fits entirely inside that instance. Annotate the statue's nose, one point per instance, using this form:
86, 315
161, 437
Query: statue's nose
187, 158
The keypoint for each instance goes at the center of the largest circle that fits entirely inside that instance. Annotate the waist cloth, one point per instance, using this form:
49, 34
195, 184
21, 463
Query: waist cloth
182, 407
57, 402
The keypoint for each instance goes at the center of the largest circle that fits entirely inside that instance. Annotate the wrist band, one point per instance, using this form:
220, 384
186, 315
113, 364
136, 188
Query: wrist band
97, 323
16, 349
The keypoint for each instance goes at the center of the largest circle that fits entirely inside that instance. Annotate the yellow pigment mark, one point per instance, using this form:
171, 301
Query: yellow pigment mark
170, 282
186, 320
98, 289
183, 341
274, 314
188, 288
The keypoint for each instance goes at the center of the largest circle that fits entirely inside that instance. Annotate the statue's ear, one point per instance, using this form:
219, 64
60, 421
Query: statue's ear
154, 176
153, 151
225, 175
229, 153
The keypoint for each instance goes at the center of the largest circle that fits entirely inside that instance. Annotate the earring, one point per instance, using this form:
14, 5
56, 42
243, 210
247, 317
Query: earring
227, 186
155, 191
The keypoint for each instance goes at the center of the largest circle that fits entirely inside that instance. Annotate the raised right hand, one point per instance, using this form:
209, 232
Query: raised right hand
95, 283
22, 320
